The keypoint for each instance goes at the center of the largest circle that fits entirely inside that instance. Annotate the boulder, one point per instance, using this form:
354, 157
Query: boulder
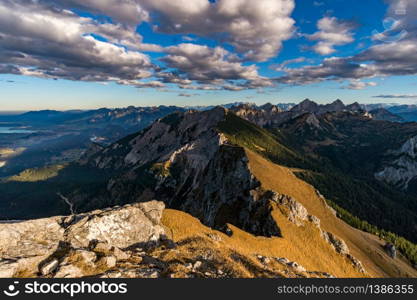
391, 250
69, 246
120, 227
49, 267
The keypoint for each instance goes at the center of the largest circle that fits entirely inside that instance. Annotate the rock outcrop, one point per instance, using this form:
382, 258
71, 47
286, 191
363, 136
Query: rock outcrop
402, 168
62, 246
391, 250
298, 214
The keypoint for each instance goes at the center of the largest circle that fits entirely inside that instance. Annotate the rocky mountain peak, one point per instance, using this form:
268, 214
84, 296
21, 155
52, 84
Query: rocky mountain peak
336, 105
306, 106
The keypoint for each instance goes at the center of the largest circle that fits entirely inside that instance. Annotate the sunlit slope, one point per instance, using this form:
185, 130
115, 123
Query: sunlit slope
365, 247
299, 244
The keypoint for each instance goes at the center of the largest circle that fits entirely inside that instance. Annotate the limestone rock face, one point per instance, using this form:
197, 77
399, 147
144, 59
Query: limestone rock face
41, 247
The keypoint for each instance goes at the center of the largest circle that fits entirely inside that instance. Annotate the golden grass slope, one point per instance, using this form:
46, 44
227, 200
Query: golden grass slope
303, 245
365, 247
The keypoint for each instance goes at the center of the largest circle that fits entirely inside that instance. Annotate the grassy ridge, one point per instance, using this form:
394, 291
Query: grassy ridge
248, 135
339, 187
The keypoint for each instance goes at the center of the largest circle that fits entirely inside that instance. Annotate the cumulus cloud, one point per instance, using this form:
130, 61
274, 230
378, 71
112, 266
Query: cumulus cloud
48, 39
44, 41
332, 32
142, 84
124, 11
331, 68
383, 59
255, 28
404, 12
208, 66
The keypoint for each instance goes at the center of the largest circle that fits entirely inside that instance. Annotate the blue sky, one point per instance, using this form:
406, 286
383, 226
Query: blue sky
80, 54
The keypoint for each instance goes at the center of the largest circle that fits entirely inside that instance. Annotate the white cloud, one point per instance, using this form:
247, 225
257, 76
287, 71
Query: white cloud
125, 11
332, 32
283, 66
256, 28
209, 65
359, 85
40, 41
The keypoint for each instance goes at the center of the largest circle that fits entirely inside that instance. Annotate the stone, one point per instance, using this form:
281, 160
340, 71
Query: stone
110, 261
102, 247
338, 244
264, 260
296, 267
26, 246
8, 268
188, 266
153, 210
314, 220
120, 227
283, 260
148, 273
69, 271
229, 232
197, 265
214, 237
119, 254
88, 257
390, 250
296, 212
50, 267
356, 263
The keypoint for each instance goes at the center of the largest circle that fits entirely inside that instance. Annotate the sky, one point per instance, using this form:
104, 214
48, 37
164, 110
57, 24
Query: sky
82, 54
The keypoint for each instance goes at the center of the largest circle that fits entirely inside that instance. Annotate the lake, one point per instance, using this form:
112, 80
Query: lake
10, 130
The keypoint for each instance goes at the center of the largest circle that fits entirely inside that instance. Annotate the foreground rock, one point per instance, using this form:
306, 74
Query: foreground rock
63, 246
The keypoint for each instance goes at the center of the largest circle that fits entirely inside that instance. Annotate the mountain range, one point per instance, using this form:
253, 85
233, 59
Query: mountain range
294, 179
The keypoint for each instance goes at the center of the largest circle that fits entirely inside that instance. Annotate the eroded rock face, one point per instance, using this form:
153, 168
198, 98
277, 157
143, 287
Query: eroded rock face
47, 245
